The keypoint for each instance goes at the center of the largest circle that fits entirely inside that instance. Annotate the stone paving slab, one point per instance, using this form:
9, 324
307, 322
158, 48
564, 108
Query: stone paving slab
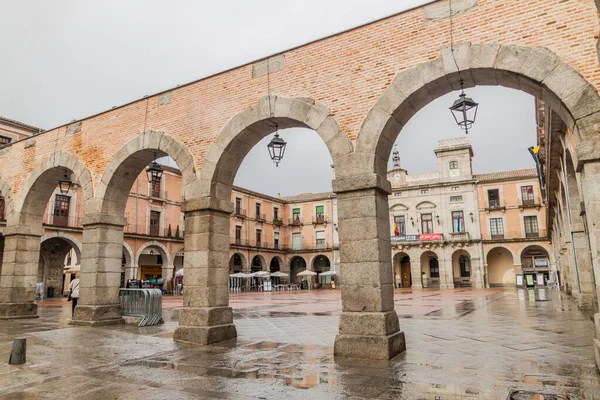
468, 345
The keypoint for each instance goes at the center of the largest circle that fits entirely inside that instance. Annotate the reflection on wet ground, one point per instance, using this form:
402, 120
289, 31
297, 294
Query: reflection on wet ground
462, 344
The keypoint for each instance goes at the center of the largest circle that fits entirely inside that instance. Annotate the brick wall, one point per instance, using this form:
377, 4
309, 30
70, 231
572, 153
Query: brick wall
347, 72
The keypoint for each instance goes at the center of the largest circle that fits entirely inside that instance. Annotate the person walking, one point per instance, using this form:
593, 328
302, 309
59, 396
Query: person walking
73, 294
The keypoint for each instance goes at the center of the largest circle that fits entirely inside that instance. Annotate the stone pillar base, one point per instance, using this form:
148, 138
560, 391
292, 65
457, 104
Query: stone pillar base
586, 301
97, 315
205, 325
18, 310
370, 347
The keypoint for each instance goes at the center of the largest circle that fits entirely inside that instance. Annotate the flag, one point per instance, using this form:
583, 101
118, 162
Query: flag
396, 232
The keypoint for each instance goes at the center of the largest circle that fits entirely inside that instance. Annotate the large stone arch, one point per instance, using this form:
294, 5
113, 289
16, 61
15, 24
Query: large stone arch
536, 71
248, 127
6, 193
72, 240
511, 251
42, 181
164, 252
128, 163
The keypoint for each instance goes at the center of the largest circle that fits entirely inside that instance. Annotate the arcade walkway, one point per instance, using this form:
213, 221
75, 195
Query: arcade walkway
462, 344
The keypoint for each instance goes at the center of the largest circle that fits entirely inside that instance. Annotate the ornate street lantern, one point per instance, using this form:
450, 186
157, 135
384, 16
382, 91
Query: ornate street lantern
154, 171
276, 148
464, 110
64, 184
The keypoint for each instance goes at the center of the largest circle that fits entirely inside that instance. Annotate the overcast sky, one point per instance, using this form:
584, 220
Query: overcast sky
65, 60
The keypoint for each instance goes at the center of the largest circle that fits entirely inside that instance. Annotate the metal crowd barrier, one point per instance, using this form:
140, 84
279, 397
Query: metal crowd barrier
144, 303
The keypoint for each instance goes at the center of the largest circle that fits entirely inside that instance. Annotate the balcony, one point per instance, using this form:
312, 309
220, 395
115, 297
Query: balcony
459, 236
143, 230
278, 221
516, 235
158, 194
296, 221
261, 217
529, 203
319, 219
240, 212
495, 205
62, 222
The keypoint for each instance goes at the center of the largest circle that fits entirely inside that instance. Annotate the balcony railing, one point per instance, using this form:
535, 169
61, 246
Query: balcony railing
515, 235
296, 221
261, 217
317, 245
319, 219
459, 236
277, 221
495, 205
65, 222
535, 202
239, 212
144, 230
158, 194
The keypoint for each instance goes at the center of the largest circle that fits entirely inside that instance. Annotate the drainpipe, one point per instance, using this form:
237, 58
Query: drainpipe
566, 193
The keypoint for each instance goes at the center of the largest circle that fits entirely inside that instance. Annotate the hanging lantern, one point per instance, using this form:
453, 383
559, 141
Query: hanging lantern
276, 148
154, 171
64, 184
464, 111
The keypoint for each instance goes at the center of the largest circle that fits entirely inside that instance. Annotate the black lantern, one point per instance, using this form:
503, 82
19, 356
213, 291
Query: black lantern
64, 184
154, 171
464, 110
276, 148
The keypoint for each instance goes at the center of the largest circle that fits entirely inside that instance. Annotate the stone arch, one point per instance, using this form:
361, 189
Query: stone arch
457, 276
536, 71
248, 127
177, 250
242, 258
430, 277
314, 258
511, 251
128, 163
73, 241
263, 262
525, 247
161, 248
42, 181
279, 262
6, 193
501, 264
297, 264
128, 252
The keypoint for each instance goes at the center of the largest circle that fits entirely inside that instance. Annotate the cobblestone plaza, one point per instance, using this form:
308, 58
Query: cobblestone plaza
461, 344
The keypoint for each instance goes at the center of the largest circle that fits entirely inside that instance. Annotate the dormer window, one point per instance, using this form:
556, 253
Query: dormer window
453, 164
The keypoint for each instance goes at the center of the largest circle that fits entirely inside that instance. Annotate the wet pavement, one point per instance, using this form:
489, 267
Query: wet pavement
462, 344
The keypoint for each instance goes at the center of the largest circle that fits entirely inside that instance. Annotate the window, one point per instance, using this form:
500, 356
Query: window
61, 210
527, 195
296, 216
426, 223
154, 223
238, 206
320, 213
321, 240
155, 186
400, 225
258, 211
465, 266
238, 234
258, 237
458, 221
531, 227
397, 194
453, 164
455, 199
275, 212
424, 191
497, 228
454, 188
276, 240
4, 140
494, 198
297, 241
434, 268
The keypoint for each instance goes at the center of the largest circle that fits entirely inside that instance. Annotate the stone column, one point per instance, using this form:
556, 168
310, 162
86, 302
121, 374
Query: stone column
100, 275
369, 326
206, 316
446, 271
19, 273
477, 273
415, 274
167, 273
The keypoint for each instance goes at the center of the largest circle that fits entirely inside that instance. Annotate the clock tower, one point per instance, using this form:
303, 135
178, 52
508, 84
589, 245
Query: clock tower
396, 175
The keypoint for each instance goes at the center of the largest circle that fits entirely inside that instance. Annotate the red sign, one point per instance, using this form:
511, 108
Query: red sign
430, 236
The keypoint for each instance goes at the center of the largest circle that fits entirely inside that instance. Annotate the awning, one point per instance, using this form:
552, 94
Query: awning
307, 272
239, 275
328, 273
279, 274
179, 272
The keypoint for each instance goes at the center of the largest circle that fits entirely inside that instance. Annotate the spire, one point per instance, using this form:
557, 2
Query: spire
396, 156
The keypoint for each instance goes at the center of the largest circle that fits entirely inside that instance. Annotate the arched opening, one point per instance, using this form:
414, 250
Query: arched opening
430, 270
501, 267
297, 264
151, 261
461, 268
237, 263
535, 263
402, 273
59, 264
258, 263
275, 264
320, 264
